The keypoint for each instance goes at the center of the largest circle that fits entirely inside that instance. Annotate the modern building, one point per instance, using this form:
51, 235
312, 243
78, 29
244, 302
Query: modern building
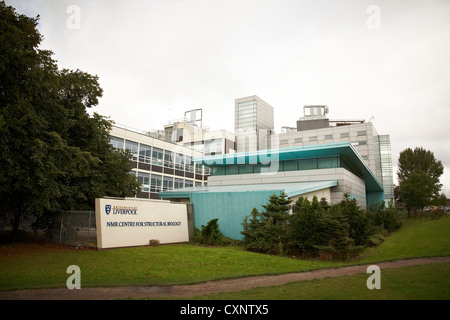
243, 181
190, 132
159, 165
315, 128
253, 124
225, 175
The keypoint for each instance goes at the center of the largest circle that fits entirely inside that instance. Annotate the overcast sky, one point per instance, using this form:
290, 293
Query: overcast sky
157, 59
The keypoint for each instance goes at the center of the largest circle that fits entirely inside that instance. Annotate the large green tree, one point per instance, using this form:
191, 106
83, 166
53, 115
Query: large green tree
53, 154
418, 178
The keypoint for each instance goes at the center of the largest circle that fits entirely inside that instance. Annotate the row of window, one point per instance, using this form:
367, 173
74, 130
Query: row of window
286, 165
152, 155
157, 183
328, 137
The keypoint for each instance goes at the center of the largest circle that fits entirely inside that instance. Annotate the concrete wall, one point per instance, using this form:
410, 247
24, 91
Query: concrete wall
347, 181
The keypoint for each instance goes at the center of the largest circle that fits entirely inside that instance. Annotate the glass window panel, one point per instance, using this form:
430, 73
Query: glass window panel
232, 169
345, 135
155, 183
329, 162
307, 164
133, 147
179, 161
290, 165
218, 171
188, 183
116, 142
179, 183
362, 133
168, 159
167, 183
245, 168
144, 179
313, 139
157, 156
144, 153
189, 164
248, 104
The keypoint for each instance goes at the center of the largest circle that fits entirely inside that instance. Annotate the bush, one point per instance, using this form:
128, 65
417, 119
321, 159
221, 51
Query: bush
316, 229
211, 234
386, 219
267, 232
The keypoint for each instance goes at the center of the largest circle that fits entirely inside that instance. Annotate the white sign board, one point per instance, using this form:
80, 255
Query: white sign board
134, 222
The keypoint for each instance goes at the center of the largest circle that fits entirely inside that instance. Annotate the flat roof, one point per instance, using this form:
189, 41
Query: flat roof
344, 149
291, 189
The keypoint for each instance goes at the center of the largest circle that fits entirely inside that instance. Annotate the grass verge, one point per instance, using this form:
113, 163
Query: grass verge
40, 265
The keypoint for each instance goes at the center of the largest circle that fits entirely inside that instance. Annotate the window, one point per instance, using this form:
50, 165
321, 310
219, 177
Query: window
156, 182
133, 147
328, 136
179, 161
217, 171
157, 156
116, 142
213, 146
328, 162
307, 164
245, 168
179, 183
313, 139
362, 133
144, 179
188, 183
167, 183
232, 169
168, 159
284, 142
198, 169
290, 165
363, 143
298, 140
189, 164
345, 135
144, 153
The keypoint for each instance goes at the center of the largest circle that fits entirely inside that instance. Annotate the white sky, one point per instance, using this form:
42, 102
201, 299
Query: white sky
157, 59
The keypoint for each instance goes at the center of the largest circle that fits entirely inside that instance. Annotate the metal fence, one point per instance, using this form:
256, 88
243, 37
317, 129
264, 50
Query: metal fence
77, 228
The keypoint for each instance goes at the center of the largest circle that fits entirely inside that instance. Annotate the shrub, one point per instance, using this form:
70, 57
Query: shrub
266, 232
211, 234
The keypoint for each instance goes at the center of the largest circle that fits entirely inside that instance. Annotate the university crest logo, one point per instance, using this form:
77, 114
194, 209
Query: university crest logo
108, 208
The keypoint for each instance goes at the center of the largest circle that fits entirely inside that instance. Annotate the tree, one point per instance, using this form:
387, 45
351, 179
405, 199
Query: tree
53, 154
267, 231
418, 176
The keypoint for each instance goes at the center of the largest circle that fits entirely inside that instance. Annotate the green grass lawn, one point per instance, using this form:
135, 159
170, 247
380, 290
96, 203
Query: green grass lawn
428, 282
423, 238
40, 267
37, 265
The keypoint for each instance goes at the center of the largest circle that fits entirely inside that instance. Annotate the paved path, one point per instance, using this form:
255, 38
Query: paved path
97, 293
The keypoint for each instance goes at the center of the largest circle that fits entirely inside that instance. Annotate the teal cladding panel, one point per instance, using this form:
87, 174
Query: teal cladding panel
230, 208
374, 198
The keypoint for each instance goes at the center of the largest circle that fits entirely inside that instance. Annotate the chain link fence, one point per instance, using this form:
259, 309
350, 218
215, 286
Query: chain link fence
77, 228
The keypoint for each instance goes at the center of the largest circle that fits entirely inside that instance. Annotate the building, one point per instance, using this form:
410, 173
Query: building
190, 132
254, 124
225, 175
315, 128
243, 181
159, 165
